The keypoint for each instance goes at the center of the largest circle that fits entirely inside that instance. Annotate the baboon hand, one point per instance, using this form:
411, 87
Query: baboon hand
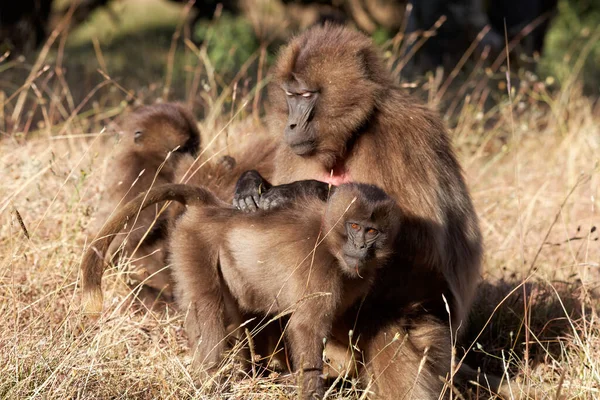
248, 191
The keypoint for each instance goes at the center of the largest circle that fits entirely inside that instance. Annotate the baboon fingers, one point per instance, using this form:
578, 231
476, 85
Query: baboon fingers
270, 203
265, 203
247, 204
248, 191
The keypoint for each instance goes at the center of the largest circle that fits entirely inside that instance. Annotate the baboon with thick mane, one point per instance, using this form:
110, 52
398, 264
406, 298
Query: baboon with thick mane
343, 118
314, 258
153, 140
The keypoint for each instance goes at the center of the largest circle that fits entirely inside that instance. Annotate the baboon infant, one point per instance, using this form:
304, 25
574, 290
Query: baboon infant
314, 259
153, 140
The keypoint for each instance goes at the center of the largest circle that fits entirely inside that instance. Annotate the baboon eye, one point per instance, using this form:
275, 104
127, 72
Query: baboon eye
137, 134
371, 232
306, 94
354, 226
289, 93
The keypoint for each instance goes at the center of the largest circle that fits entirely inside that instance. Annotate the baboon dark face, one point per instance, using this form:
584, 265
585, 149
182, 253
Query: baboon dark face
363, 223
363, 237
319, 102
300, 133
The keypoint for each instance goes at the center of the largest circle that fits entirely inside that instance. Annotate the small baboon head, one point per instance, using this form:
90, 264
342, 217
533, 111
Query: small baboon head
161, 128
363, 223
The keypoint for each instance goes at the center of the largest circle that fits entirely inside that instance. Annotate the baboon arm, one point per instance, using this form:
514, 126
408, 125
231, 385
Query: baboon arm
309, 325
253, 192
287, 194
306, 345
92, 265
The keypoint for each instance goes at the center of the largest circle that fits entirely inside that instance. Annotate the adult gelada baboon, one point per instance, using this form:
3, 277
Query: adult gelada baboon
148, 135
316, 259
343, 118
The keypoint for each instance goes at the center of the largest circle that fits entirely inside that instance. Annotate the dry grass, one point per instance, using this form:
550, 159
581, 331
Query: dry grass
532, 165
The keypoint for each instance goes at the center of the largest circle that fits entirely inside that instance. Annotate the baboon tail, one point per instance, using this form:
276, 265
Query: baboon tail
92, 265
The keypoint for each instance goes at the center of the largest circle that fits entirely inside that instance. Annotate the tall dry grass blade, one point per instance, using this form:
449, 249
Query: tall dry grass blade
21, 223
63, 24
173, 48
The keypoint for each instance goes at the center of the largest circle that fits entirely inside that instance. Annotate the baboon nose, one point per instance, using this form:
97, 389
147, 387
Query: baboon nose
292, 126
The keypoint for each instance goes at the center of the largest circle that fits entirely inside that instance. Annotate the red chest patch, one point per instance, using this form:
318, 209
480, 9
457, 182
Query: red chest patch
336, 176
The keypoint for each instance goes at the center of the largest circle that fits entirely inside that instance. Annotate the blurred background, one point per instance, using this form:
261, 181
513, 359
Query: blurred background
106, 54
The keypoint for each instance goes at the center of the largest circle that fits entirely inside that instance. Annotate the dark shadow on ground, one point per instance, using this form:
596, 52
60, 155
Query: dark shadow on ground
552, 308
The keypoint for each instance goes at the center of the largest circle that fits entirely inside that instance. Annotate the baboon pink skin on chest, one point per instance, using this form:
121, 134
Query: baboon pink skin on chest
342, 117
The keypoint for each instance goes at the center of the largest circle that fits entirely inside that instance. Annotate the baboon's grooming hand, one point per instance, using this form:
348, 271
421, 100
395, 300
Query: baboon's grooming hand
253, 192
248, 191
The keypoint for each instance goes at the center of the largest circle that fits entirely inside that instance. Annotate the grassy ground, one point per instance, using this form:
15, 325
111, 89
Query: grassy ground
531, 161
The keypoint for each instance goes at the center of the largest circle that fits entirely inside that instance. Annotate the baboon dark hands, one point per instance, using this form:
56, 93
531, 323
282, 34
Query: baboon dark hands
253, 192
342, 118
314, 258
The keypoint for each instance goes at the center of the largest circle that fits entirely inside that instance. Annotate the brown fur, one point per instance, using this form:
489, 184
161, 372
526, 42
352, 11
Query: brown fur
221, 176
256, 151
161, 129
299, 265
368, 130
270, 263
92, 265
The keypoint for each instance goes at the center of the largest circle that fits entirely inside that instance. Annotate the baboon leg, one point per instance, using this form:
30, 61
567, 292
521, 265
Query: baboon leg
409, 363
305, 334
204, 324
146, 267
236, 334
200, 296
269, 345
149, 269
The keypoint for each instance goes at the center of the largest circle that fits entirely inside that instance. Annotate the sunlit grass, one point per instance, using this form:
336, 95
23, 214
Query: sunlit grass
531, 162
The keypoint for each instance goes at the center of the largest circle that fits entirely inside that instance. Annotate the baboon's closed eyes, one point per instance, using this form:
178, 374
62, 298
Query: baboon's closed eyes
342, 118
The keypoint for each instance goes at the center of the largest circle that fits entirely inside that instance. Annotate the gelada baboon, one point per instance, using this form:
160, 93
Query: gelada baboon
343, 118
148, 135
315, 258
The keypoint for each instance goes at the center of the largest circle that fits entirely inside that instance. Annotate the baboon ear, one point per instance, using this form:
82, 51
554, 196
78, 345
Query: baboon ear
137, 136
